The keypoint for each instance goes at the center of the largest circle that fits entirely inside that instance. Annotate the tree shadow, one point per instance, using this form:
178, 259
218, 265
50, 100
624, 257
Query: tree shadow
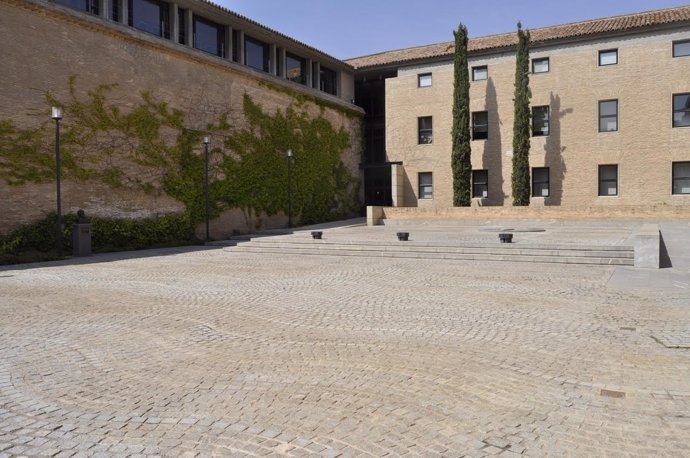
554, 152
492, 156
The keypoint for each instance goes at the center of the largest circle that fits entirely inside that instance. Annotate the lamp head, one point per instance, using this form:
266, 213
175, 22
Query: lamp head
56, 113
207, 140
289, 153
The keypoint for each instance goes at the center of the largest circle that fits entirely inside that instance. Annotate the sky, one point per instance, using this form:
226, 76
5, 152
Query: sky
352, 28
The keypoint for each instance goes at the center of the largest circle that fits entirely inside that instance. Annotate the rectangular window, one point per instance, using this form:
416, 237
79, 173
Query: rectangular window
90, 6
150, 16
681, 110
608, 180
256, 54
681, 48
608, 115
115, 9
480, 73
681, 178
182, 26
540, 121
425, 130
296, 68
424, 80
329, 81
540, 182
209, 36
480, 183
426, 185
540, 65
608, 57
480, 125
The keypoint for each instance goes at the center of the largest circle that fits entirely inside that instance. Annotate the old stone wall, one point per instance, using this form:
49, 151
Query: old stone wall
42, 47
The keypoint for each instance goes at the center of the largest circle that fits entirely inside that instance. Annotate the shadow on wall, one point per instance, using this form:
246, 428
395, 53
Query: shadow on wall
409, 196
492, 159
554, 152
664, 258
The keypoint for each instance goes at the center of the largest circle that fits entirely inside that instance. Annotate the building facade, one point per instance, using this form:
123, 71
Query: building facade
610, 116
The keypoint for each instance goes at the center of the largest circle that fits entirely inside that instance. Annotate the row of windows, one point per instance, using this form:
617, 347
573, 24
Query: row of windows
154, 17
541, 119
541, 181
542, 64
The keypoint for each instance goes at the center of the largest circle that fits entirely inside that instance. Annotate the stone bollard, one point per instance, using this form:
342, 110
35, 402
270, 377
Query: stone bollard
81, 236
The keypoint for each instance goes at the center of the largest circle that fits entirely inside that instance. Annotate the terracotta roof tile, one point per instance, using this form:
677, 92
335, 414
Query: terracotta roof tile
541, 35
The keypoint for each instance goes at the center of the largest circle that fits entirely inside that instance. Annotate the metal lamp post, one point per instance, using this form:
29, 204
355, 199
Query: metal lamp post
206, 142
289, 159
57, 116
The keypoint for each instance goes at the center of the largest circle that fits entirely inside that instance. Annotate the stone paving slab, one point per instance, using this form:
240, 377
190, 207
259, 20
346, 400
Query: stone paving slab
201, 352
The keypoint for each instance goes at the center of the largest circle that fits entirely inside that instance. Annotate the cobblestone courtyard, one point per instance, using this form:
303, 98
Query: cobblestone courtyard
186, 351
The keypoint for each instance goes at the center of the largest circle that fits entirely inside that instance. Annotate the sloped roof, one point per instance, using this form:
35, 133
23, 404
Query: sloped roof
542, 35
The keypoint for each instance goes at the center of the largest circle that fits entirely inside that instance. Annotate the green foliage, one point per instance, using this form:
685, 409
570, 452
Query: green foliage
461, 153
521, 127
36, 241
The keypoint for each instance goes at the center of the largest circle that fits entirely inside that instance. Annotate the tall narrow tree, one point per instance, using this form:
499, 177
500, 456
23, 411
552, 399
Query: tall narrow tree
521, 124
460, 157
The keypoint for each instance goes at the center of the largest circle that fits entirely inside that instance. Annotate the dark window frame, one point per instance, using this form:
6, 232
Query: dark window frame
479, 134
541, 182
266, 58
87, 6
604, 51
478, 186
479, 67
420, 185
302, 65
674, 178
685, 111
164, 17
220, 35
323, 81
419, 80
608, 180
541, 133
673, 48
541, 59
425, 133
617, 115
181, 25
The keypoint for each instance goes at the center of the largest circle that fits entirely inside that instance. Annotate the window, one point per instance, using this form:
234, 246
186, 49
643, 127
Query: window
540, 182
329, 81
426, 186
256, 54
150, 16
540, 121
540, 65
480, 125
115, 9
480, 73
426, 135
681, 178
182, 26
209, 36
90, 6
608, 57
296, 68
424, 80
480, 183
608, 180
681, 48
681, 110
608, 115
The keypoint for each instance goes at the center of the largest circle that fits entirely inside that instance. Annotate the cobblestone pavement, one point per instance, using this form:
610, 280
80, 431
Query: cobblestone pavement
190, 352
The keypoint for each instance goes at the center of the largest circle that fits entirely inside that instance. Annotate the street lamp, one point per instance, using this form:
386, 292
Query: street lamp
206, 142
289, 159
57, 116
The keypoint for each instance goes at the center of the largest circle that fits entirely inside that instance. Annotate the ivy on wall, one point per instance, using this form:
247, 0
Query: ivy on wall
156, 149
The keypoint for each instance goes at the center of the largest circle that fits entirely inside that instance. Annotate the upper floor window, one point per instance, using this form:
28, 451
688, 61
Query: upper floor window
424, 80
608, 57
480, 183
209, 36
425, 131
256, 54
426, 185
150, 16
328, 81
608, 115
90, 6
540, 121
480, 125
181, 25
681, 178
681, 110
480, 73
681, 48
296, 68
608, 180
540, 65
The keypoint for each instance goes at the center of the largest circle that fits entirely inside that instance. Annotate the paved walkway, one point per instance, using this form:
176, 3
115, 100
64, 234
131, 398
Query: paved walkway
200, 351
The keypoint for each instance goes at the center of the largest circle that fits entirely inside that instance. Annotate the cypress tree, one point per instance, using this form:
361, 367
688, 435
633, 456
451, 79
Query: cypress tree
460, 156
521, 125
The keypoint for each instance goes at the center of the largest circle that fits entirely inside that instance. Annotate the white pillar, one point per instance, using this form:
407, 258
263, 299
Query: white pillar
124, 11
174, 23
316, 77
189, 23
240, 58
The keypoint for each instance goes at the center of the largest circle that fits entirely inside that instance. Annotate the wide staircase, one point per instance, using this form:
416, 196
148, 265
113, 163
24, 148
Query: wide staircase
303, 244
